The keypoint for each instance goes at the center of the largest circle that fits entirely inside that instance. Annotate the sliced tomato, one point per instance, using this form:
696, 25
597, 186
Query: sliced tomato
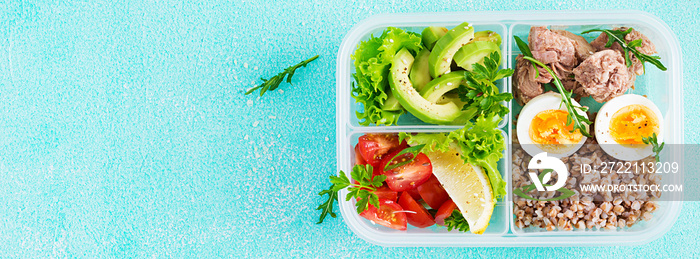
389, 214
444, 211
385, 193
432, 193
414, 194
359, 160
373, 147
407, 176
416, 214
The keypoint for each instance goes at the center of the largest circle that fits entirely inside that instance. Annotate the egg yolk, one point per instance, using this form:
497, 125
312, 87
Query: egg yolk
629, 124
549, 127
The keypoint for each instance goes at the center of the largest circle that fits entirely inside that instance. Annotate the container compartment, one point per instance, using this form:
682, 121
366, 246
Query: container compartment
498, 225
406, 119
647, 85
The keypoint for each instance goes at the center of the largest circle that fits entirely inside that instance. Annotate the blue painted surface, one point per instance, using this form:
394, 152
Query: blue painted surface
124, 131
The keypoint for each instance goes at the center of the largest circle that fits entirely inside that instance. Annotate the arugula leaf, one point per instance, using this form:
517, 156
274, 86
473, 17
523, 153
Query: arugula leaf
619, 37
414, 150
363, 190
655, 147
456, 221
480, 142
274, 82
327, 207
579, 121
480, 93
372, 61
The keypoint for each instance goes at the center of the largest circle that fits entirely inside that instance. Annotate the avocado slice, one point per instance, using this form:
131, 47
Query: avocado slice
441, 85
431, 35
446, 47
391, 103
420, 76
475, 52
488, 36
411, 100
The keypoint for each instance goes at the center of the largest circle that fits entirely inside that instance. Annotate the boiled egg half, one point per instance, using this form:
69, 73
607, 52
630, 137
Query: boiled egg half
623, 121
542, 127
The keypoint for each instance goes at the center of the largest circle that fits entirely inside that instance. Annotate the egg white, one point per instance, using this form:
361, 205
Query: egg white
605, 139
543, 102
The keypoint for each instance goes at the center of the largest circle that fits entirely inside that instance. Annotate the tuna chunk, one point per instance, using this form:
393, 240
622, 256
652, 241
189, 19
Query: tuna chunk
603, 75
549, 47
581, 46
647, 48
526, 83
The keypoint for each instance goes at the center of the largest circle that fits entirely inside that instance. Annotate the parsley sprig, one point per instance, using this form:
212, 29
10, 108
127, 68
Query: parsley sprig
363, 190
275, 81
456, 221
619, 37
579, 121
655, 147
480, 93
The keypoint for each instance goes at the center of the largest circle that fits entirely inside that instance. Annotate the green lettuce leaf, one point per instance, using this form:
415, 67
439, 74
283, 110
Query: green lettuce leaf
372, 61
480, 142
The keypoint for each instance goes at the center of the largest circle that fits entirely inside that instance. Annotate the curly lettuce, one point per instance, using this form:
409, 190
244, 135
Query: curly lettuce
480, 142
372, 61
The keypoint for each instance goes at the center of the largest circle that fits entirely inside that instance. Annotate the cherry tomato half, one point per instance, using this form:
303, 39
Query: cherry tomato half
373, 147
389, 214
432, 193
416, 214
444, 211
407, 176
385, 193
359, 160
414, 194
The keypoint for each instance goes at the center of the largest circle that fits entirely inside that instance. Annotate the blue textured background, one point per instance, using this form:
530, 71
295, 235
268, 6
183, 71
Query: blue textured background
124, 130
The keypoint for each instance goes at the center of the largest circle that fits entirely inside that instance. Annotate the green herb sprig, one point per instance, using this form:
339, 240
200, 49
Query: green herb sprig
362, 190
327, 207
655, 147
619, 37
579, 121
456, 221
480, 93
275, 81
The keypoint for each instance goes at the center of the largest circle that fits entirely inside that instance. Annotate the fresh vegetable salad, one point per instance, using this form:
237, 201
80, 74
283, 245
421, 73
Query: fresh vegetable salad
441, 76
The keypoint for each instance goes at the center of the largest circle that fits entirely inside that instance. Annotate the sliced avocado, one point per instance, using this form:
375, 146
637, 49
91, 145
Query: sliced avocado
488, 36
411, 100
431, 35
450, 97
475, 52
445, 48
391, 103
441, 85
420, 75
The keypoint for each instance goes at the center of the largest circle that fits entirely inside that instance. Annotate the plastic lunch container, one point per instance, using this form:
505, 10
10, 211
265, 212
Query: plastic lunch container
663, 88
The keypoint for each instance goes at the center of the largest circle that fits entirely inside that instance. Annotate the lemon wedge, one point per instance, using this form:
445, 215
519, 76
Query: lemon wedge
467, 185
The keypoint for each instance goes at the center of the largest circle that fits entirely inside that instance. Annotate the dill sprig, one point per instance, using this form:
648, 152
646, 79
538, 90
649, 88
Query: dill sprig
275, 81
